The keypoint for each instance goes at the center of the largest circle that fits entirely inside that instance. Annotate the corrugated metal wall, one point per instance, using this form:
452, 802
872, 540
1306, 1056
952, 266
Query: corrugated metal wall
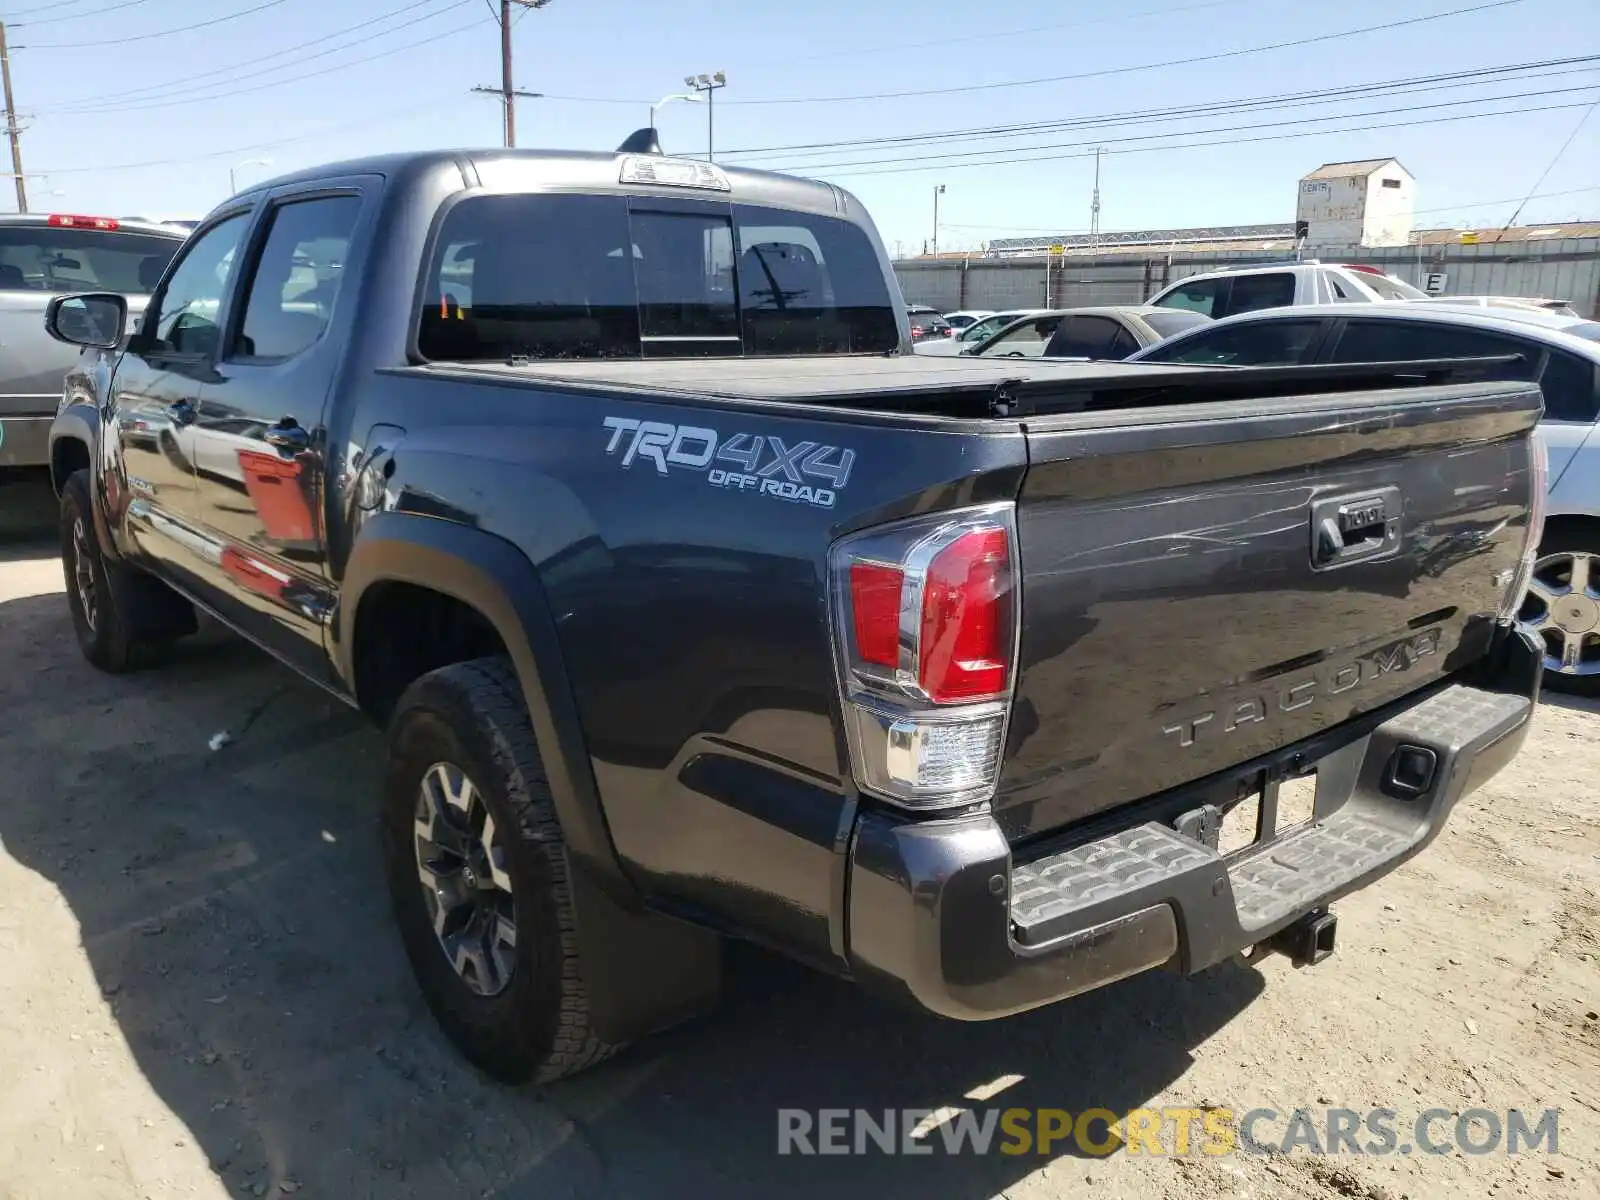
1564, 270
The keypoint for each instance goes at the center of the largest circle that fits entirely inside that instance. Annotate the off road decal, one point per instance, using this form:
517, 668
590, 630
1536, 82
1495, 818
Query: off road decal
799, 472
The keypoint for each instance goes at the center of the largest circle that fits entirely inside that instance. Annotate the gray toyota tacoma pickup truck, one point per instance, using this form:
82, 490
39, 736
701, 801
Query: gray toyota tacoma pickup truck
696, 605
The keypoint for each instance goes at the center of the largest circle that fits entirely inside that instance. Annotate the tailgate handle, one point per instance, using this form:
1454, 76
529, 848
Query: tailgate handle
1355, 528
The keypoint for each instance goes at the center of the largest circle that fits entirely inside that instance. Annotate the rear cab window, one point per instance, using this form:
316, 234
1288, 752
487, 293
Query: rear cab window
52, 259
593, 276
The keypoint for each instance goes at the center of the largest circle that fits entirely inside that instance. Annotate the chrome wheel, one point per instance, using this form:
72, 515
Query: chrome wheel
1562, 610
461, 865
83, 573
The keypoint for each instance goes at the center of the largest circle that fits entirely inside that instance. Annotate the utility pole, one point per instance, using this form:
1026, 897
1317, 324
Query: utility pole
12, 131
938, 190
507, 93
707, 86
1094, 206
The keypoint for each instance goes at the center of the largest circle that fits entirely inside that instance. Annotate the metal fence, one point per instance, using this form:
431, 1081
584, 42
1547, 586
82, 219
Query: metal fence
1562, 270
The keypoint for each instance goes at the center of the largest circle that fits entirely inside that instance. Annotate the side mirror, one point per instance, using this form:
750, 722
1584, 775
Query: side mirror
96, 319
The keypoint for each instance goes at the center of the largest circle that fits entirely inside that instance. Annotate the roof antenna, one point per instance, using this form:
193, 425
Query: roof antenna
641, 141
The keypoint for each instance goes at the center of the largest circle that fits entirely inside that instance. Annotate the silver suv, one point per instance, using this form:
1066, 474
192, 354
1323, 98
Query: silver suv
42, 256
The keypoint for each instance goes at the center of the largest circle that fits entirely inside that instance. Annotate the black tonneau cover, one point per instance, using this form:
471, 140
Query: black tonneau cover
977, 387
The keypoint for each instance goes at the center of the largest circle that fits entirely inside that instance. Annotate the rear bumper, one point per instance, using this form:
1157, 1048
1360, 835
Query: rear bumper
24, 441
941, 916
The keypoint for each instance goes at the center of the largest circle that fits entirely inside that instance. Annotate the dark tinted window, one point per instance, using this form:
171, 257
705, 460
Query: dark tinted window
1568, 384
44, 258
1084, 337
1255, 344
297, 277
1123, 344
1252, 292
579, 277
1201, 296
1397, 341
186, 320
1169, 323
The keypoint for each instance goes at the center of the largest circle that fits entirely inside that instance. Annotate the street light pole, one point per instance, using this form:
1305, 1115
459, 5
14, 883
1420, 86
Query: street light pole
707, 86
938, 190
665, 100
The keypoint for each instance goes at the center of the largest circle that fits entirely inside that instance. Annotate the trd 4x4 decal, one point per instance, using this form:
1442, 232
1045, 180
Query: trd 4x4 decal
802, 473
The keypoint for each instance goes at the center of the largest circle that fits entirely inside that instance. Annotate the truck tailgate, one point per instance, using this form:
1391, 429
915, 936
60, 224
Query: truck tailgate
1201, 586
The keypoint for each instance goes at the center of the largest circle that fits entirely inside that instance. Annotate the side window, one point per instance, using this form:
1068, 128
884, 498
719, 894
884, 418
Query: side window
1123, 344
297, 277
1027, 340
1254, 344
1399, 341
1085, 337
1568, 384
1335, 288
1252, 292
186, 312
1201, 296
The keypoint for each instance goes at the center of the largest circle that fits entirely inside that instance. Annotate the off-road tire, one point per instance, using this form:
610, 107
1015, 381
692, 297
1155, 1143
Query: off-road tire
472, 715
135, 614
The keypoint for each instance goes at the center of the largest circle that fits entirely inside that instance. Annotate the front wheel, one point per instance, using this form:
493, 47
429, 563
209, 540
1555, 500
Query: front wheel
478, 876
118, 614
1562, 610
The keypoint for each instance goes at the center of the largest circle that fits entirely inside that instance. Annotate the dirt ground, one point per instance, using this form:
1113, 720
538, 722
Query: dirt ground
201, 994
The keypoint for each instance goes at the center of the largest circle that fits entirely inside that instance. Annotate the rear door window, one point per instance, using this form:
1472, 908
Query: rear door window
1253, 344
1569, 384
47, 258
573, 276
1399, 341
1274, 289
1085, 337
1205, 296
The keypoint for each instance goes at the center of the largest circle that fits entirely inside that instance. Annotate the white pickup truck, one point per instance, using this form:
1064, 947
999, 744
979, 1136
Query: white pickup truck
1227, 293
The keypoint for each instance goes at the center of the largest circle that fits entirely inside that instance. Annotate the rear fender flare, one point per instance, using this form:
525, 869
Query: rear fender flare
496, 579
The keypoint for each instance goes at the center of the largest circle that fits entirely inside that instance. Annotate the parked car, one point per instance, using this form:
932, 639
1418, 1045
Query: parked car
1104, 332
927, 323
1561, 353
693, 612
964, 319
46, 255
975, 333
1243, 289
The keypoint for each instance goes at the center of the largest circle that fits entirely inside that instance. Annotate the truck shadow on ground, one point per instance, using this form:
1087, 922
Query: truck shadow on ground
232, 908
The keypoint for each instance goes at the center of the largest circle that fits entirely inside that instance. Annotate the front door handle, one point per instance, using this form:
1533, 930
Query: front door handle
182, 412
287, 435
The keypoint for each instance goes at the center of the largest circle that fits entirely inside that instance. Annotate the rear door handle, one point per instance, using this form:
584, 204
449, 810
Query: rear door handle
287, 435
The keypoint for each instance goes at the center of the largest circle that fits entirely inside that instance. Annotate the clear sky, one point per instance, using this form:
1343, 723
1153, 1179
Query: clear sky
124, 122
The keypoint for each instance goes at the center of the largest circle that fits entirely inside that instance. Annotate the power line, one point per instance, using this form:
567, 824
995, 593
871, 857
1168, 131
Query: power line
1117, 18
161, 33
1477, 76
1147, 137
95, 12
47, 8
171, 100
1278, 137
188, 80
1109, 71
428, 105
1582, 121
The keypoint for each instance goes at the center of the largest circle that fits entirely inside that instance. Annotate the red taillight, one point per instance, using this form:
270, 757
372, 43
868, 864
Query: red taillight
68, 221
925, 620
875, 607
966, 634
